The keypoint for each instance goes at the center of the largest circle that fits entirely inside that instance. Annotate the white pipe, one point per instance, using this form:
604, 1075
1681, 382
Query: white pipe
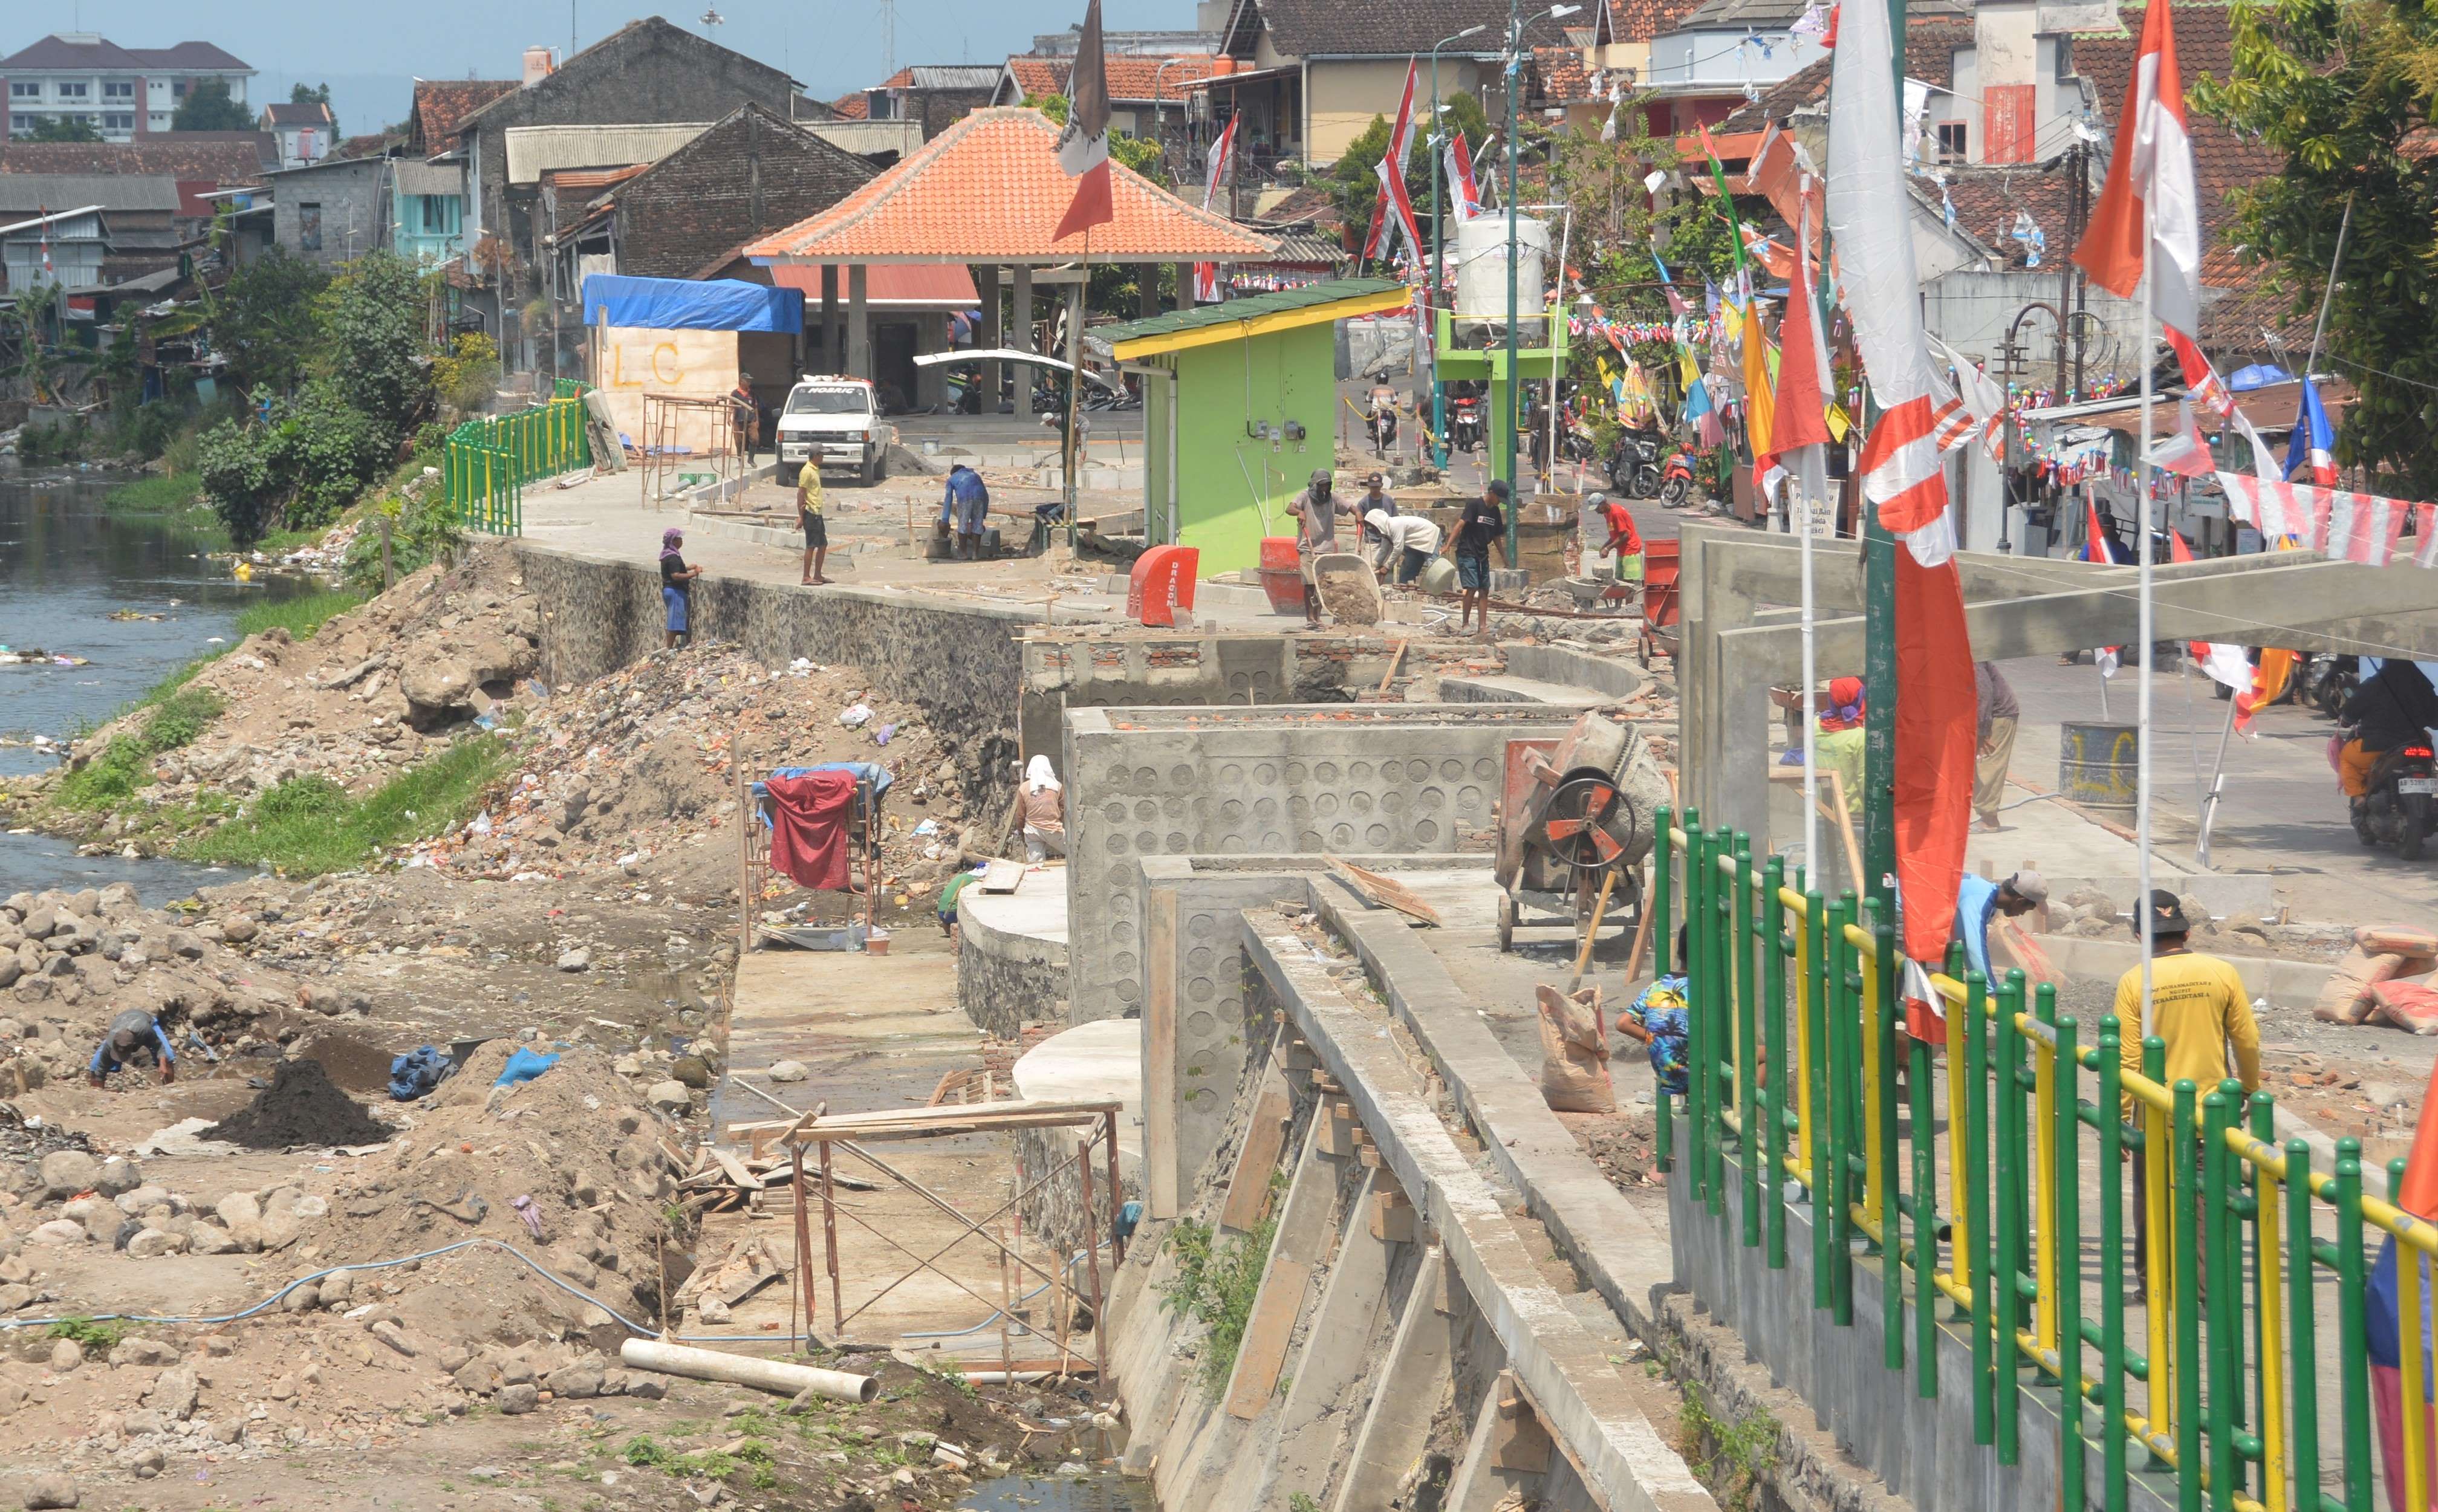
2142, 694
736, 1370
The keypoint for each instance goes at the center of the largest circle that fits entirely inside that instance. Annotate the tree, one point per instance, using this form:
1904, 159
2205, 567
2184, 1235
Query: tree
300, 94
235, 466
265, 323
376, 362
1140, 153
208, 108
2344, 91
1354, 181
63, 129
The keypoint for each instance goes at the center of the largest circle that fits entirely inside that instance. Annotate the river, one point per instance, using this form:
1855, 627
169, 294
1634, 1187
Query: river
66, 565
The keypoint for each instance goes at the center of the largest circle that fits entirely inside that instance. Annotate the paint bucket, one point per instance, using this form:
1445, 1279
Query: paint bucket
2097, 768
876, 942
1281, 578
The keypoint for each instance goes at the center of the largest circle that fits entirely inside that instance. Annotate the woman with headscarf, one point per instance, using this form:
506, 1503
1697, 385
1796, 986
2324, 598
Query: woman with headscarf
677, 584
1842, 740
1042, 805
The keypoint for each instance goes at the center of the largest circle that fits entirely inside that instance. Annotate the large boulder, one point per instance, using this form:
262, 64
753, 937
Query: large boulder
67, 1172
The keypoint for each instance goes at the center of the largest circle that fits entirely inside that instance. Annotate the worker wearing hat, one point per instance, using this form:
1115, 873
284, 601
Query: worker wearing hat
2198, 1006
1980, 900
1316, 510
133, 1034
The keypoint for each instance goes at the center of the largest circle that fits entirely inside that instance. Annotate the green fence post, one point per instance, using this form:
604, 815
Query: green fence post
1838, 1111
1720, 1065
2182, 1234
1773, 1055
2267, 1224
1747, 1067
1891, 1213
2112, 1263
2222, 1297
1699, 975
1974, 1181
1825, 1184
2301, 1330
2066, 1214
2008, 1225
1663, 883
1925, 1179
2354, 1364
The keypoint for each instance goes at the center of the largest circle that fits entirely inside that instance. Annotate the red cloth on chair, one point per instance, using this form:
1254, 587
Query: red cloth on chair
809, 837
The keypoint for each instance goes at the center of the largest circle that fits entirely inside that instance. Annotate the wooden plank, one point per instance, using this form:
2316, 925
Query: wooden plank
1266, 1137
1383, 893
1517, 1439
1335, 1136
1392, 1218
1162, 1180
1002, 875
735, 1170
1263, 1353
953, 1119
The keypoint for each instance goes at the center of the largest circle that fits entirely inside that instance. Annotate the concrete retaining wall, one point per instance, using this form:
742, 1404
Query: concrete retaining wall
1383, 778
1012, 955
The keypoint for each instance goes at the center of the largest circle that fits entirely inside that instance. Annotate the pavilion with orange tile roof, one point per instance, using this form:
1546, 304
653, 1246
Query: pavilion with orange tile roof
988, 193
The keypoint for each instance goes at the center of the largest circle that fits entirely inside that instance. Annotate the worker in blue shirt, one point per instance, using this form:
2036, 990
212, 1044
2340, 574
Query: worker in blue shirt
1979, 900
126, 1041
964, 504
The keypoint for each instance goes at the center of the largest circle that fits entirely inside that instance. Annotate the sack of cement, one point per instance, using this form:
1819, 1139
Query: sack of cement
1574, 1052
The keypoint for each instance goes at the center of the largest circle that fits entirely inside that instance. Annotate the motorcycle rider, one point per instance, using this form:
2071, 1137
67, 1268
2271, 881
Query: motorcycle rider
2396, 708
1383, 411
1639, 442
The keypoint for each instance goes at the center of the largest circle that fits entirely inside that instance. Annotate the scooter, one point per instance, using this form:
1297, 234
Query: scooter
2401, 807
2328, 680
1633, 467
1676, 479
1464, 423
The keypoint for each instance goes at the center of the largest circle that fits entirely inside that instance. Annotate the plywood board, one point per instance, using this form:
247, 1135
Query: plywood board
634, 362
1263, 1353
1266, 1136
1161, 1177
1382, 891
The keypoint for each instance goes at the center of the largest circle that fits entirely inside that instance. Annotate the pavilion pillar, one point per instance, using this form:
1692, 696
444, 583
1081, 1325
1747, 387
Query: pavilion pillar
930, 336
832, 360
1019, 336
991, 335
1147, 276
1185, 285
859, 324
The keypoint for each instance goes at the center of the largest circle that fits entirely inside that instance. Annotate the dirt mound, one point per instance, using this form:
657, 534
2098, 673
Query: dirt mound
300, 1108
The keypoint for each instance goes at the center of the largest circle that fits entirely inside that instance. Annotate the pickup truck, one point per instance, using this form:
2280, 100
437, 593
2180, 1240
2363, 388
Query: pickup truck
834, 422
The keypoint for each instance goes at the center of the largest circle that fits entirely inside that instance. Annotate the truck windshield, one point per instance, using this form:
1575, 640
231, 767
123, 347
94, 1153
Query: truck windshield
829, 401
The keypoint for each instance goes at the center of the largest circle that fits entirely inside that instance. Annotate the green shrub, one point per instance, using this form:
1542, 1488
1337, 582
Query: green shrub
108, 780
422, 531
325, 450
236, 469
310, 825
1216, 1282
375, 329
94, 1338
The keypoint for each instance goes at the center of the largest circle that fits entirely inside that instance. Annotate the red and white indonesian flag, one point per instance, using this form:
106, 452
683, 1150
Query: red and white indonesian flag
1206, 275
1084, 145
1799, 421
2188, 452
1395, 216
1460, 173
1871, 218
2151, 172
2225, 662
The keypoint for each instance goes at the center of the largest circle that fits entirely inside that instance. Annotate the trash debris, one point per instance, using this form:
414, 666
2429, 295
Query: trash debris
523, 1065
418, 1071
855, 716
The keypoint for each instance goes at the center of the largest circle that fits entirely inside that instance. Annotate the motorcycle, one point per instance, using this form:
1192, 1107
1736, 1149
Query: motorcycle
1676, 479
2401, 807
2328, 680
1464, 424
1634, 466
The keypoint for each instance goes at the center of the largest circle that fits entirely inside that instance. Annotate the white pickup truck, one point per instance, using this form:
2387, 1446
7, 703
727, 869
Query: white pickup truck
834, 422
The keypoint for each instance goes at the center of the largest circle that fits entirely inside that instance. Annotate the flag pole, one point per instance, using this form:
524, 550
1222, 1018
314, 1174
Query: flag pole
2144, 635
1880, 636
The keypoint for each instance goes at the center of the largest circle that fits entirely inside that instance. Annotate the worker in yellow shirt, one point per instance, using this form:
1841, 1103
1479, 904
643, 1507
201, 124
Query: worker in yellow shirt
2198, 1006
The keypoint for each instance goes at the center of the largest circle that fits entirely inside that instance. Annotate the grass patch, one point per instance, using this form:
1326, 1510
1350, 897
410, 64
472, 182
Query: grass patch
93, 1336
1733, 1459
310, 825
646, 1452
1216, 1282
164, 493
300, 616
109, 779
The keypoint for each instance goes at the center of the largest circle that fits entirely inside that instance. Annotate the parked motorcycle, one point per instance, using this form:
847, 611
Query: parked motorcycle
1634, 466
1677, 478
2401, 807
2328, 680
1464, 423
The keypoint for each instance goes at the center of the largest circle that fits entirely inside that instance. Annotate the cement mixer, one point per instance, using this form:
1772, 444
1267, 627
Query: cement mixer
1581, 814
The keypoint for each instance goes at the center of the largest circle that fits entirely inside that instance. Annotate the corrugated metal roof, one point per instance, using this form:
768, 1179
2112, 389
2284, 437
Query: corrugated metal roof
534, 151
429, 178
954, 76
1238, 311
31, 193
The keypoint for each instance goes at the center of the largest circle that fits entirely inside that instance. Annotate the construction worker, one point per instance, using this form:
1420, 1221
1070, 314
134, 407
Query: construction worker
133, 1034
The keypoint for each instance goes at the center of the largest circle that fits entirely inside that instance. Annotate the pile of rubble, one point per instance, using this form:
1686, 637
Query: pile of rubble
71, 961
376, 690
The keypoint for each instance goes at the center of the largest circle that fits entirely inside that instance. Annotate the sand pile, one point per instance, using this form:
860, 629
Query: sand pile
300, 1109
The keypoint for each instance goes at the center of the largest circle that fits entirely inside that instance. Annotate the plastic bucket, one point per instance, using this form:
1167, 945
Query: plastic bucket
1282, 576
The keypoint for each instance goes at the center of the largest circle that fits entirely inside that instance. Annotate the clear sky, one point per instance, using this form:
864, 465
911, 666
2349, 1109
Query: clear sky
371, 54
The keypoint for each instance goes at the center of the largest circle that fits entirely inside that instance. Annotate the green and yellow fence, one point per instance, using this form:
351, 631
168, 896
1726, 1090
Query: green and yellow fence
2222, 1396
489, 461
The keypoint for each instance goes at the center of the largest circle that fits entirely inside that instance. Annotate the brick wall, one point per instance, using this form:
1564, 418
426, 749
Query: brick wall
751, 174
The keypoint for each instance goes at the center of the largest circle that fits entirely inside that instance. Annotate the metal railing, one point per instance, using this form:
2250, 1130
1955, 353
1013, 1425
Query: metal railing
2222, 1388
487, 461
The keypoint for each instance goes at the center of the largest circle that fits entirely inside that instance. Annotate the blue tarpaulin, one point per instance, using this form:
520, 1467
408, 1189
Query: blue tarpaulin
684, 305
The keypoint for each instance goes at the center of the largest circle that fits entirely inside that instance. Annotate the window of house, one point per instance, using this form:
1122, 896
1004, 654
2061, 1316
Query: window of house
118, 89
179, 88
118, 123
2064, 46
1953, 147
21, 123
73, 89
435, 213
25, 89
309, 227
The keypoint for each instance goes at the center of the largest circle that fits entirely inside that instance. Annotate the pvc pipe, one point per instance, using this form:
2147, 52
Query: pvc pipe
768, 1375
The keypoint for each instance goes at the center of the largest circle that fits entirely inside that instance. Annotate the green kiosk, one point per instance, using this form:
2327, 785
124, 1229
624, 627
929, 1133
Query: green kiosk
1239, 407
1472, 350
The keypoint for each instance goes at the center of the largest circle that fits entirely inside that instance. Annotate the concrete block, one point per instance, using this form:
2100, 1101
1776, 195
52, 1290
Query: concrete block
1406, 1392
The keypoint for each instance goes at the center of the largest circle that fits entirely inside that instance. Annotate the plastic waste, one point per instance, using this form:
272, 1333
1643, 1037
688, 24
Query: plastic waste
855, 716
524, 1066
